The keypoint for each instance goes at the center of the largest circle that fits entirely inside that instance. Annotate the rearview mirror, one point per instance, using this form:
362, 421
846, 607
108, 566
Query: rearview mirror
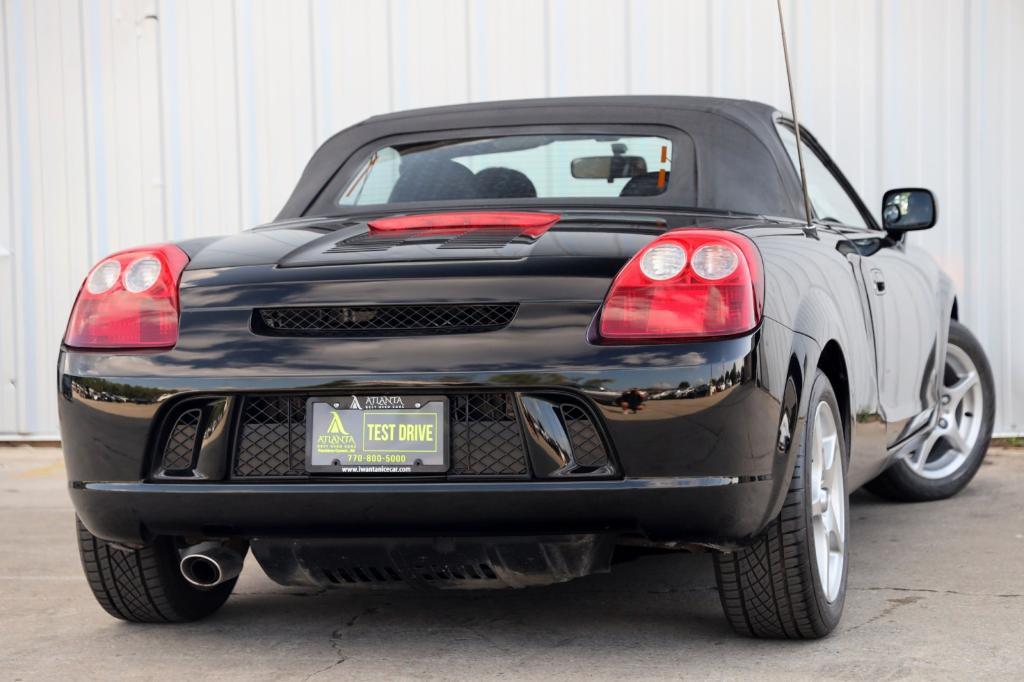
908, 209
608, 167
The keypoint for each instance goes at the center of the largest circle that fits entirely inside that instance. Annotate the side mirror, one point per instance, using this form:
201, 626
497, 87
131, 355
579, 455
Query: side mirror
908, 209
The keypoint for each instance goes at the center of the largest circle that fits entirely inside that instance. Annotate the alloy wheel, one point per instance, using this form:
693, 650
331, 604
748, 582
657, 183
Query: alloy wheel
956, 431
828, 501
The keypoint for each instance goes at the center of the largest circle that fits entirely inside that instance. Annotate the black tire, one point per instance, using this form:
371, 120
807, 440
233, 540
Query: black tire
144, 585
771, 589
899, 482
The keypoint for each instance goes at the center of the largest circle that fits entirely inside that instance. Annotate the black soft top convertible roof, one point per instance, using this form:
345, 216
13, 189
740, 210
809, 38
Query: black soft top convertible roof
741, 162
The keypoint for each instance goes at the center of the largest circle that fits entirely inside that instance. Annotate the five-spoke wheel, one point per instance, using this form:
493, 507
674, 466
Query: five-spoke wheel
828, 501
950, 453
959, 423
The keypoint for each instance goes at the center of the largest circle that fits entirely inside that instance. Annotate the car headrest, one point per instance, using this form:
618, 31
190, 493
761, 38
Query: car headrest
434, 181
504, 183
644, 186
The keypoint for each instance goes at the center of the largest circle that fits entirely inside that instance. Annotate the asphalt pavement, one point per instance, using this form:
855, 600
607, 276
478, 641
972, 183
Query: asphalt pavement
936, 591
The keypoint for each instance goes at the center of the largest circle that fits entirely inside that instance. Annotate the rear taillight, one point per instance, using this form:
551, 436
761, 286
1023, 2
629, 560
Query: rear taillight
129, 300
685, 285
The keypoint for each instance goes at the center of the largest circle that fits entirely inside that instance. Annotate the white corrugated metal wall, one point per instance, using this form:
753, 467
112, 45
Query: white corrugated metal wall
135, 121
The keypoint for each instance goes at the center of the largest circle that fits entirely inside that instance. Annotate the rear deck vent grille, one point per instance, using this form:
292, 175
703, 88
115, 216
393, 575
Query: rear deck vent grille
367, 242
389, 320
495, 238
483, 239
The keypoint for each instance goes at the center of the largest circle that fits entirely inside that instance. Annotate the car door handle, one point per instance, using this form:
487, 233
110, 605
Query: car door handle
879, 280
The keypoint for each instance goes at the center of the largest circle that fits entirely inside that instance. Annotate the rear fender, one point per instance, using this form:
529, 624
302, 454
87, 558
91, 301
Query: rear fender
787, 368
831, 307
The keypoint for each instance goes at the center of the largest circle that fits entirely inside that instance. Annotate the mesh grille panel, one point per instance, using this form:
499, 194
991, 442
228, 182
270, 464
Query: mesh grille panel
272, 437
485, 437
394, 320
181, 443
486, 440
587, 447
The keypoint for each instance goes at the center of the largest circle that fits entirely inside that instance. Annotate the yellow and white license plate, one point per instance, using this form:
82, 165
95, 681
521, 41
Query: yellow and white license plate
377, 434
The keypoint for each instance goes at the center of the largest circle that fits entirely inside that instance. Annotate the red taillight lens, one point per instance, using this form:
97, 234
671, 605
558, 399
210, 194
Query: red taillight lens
685, 285
533, 224
129, 300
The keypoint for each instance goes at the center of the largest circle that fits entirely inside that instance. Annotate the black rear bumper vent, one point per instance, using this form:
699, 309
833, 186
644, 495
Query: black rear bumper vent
587, 447
271, 437
486, 438
387, 320
180, 448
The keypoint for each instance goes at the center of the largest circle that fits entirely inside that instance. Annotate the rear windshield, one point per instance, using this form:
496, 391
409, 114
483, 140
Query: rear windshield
542, 166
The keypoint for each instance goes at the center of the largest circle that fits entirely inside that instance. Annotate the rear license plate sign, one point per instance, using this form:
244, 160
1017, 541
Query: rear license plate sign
377, 434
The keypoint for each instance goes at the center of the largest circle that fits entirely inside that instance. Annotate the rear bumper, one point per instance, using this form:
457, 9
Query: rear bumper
698, 464
718, 511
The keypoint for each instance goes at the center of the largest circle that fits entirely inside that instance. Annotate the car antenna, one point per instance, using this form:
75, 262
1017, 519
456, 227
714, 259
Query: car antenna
796, 120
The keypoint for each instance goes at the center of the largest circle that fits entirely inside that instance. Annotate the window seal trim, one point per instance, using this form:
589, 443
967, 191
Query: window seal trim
347, 169
808, 139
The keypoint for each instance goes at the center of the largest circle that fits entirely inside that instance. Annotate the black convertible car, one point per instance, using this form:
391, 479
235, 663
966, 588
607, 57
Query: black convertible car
506, 345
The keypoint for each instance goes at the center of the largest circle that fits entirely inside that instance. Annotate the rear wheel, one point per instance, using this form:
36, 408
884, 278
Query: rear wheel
145, 585
791, 583
952, 452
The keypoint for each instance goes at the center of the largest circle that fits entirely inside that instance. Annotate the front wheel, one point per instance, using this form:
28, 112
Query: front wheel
791, 583
951, 453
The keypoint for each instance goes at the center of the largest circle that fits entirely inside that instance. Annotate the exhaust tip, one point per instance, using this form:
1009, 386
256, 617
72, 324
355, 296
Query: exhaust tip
210, 567
201, 571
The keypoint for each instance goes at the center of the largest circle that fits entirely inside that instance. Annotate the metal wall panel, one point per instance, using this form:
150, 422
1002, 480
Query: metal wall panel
8, 351
135, 121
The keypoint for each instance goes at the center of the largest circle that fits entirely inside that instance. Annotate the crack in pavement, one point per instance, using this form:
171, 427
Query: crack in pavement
336, 637
893, 605
325, 669
1006, 595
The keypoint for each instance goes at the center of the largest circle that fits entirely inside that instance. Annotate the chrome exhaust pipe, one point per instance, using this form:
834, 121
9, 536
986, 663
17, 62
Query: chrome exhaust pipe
209, 564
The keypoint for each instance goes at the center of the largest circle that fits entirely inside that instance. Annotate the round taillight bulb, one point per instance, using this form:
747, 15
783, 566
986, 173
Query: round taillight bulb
142, 274
103, 278
663, 262
715, 261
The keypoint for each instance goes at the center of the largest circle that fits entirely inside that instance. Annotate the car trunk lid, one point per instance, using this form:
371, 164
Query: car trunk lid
347, 261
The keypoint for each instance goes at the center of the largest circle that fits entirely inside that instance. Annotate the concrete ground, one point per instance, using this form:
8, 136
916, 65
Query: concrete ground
936, 591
